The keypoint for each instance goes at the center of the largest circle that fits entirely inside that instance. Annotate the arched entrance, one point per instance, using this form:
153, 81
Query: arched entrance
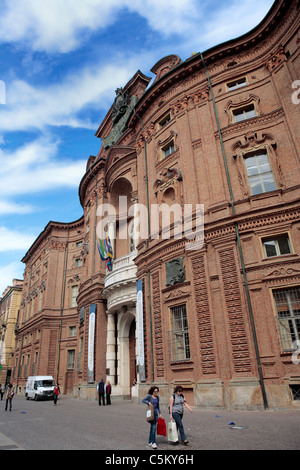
125, 352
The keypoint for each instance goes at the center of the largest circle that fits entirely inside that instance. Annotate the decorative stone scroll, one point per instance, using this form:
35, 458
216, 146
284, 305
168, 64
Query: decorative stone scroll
159, 349
208, 362
233, 301
123, 106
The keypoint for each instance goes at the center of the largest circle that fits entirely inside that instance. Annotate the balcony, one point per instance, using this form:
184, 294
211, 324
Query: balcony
120, 283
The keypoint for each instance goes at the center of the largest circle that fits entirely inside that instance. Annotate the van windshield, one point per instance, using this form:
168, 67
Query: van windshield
45, 383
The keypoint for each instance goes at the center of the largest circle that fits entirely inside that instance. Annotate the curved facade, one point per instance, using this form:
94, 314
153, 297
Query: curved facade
211, 146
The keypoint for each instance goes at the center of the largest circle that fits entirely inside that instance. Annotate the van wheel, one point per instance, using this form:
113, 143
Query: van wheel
27, 397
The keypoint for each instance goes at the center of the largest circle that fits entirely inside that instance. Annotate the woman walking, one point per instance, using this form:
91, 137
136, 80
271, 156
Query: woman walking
9, 396
177, 402
153, 398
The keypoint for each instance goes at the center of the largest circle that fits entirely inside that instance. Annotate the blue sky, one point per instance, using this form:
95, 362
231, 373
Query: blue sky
60, 63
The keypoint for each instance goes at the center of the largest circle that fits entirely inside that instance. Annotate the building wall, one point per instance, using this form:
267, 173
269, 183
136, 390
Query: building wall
9, 310
181, 142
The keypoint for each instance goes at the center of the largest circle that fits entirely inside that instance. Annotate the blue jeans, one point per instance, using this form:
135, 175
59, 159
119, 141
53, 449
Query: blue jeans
178, 418
153, 430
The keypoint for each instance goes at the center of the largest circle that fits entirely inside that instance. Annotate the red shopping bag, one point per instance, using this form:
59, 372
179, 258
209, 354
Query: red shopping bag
161, 429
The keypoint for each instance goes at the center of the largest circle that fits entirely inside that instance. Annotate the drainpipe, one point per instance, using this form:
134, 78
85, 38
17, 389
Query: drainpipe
239, 244
29, 284
147, 244
95, 231
62, 304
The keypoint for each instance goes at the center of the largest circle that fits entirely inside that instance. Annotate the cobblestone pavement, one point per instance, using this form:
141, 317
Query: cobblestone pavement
83, 425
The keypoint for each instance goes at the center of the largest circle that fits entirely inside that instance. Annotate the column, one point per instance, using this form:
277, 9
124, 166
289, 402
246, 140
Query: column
111, 350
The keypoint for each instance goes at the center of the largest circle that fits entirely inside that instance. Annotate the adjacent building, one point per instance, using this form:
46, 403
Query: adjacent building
197, 185
10, 303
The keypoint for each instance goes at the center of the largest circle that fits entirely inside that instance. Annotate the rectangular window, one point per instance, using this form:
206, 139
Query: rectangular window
165, 120
259, 173
295, 389
71, 359
78, 262
179, 335
244, 113
287, 302
168, 149
236, 84
72, 330
277, 245
74, 296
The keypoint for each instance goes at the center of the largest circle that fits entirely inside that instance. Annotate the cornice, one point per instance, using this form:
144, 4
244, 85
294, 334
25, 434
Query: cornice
216, 233
90, 176
63, 226
275, 20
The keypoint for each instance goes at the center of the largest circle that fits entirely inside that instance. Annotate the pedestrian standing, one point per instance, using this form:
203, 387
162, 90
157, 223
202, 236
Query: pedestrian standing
56, 392
9, 396
108, 392
153, 398
101, 392
1, 391
177, 402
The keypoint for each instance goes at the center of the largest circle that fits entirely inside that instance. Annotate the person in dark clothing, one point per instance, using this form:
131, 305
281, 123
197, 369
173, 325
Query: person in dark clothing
153, 398
101, 391
108, 392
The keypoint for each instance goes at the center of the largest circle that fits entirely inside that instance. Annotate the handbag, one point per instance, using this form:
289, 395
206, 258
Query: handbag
150, 413
161, 429
172, 431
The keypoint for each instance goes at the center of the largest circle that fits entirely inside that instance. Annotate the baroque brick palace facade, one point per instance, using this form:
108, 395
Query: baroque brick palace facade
220, 313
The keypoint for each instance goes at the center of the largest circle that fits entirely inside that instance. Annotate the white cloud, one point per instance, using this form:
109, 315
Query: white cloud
61, 26
58, 25
11, 240
7, 207
36, 107
9, 272
35, 167
232, 20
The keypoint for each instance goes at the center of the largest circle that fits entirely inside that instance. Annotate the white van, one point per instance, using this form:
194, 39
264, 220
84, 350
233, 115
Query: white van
40, 386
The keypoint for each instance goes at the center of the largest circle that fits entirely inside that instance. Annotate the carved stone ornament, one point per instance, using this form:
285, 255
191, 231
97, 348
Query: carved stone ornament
123, 105
277, 58
120, 105
252, 142
166, 176
175, 272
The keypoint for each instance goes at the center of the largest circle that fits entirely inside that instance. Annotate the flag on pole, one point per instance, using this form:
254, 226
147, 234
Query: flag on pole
105, 251
108, 247
101, 249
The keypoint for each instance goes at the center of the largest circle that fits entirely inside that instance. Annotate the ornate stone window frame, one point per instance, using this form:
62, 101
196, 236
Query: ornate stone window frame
253, 144
232, 107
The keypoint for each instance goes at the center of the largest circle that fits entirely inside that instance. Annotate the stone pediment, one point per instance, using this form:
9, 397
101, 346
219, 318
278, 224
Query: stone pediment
164, 65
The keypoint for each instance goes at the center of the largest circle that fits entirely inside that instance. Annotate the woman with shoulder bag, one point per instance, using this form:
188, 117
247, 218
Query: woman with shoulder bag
177, 402
153, 398
9, 396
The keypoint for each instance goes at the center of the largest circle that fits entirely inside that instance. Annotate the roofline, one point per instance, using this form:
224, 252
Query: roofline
51, 224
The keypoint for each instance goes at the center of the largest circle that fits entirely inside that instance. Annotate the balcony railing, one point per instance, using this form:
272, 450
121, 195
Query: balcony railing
123, 269
120, 283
